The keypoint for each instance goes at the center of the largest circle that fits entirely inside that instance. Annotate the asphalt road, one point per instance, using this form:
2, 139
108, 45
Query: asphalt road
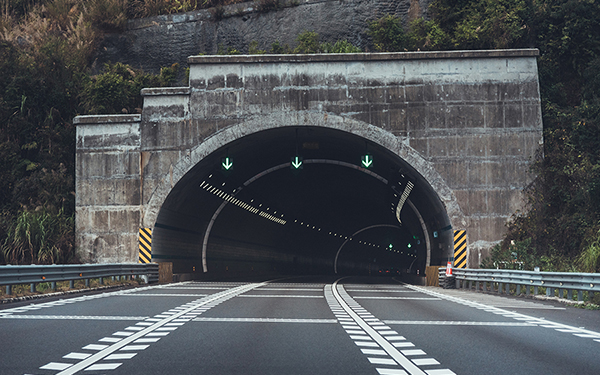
311, 325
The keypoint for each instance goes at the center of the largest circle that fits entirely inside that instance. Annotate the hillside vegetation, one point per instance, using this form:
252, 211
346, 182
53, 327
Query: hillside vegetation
45, 60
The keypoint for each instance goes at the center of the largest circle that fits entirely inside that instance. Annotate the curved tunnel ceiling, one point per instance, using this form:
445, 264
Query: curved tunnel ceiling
280, 219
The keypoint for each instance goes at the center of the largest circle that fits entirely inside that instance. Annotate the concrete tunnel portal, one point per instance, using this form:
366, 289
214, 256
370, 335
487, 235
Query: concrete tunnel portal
331, 215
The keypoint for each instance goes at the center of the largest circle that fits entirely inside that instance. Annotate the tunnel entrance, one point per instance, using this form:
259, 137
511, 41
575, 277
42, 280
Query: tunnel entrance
301, 200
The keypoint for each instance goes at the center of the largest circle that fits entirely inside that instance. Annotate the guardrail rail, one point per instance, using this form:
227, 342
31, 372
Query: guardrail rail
501, 280
33, 274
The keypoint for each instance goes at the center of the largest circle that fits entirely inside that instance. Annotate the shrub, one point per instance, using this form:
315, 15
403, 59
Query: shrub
387, 34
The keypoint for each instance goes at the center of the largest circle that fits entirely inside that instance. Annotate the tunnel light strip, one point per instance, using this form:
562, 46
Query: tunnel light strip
407, 189
233, 200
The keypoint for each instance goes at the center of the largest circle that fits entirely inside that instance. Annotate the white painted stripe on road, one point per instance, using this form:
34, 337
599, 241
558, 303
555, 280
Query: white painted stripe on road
380, 290
440, 372
109, 339
382, 361
366, 343
361, 337
385, 333
71, 317
412, 352
278, 296
391, 371
403, 344
56, 366
425, 361
373, 351
95, 347
76, 355
395, 338
134, 328
138, 337
293, 289
156, 334
161, 295
531, 320
264, 320
120, 356
402, 298
134, 347
123, 333
457, 323
103, 366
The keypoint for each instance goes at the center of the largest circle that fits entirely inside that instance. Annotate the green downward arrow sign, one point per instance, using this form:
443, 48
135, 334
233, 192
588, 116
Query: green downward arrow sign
297, 162
226, 163
367, 160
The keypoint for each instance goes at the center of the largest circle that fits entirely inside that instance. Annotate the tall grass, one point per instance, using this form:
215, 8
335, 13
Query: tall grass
40, 237
589, 259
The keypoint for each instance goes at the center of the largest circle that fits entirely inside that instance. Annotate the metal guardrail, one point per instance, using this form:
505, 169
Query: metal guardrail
33, 274
501, 280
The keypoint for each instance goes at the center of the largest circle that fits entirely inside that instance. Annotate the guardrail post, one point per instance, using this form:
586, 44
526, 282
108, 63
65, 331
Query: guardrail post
32, 288
457, 283
580, 295
591, 295
508, 288
9, 290
527, 289
561, 292
71, 284
549, 292
53, 285
470, 284
101, 281
500, 288
477, 285
87, 282
569, 293
535, 290
518, 289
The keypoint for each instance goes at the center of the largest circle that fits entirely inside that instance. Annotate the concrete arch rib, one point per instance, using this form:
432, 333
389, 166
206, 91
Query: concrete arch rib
304, 118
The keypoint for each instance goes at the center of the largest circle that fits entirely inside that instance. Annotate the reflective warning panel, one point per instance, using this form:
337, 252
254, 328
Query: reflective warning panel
145, 245
460, 249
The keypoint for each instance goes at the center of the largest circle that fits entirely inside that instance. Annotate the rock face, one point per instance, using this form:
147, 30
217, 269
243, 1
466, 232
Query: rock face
154, 42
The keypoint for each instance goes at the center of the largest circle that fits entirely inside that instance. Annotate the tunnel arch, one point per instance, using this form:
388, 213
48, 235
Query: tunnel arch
299, 120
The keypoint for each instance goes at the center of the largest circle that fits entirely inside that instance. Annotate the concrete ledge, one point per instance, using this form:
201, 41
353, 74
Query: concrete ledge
162, 91
331, 57
106, 119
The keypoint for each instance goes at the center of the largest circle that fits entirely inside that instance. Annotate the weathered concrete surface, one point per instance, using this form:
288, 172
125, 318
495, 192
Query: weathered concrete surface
469, 122
151, 43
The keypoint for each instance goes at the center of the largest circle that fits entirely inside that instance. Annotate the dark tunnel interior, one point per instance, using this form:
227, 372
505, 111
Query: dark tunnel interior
301, 200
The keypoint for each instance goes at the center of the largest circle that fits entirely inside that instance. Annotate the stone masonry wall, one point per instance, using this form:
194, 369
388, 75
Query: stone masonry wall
151, 43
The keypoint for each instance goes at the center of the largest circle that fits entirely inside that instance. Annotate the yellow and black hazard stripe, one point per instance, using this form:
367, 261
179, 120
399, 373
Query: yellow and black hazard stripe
145, 245
460, 249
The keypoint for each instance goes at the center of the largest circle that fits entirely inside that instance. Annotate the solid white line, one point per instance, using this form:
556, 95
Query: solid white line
457, 323
72, 317
402, 298
264, 320
278, 296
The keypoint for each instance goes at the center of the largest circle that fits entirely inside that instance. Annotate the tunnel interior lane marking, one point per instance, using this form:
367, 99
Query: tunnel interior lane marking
364, 329
172, 318
542, 322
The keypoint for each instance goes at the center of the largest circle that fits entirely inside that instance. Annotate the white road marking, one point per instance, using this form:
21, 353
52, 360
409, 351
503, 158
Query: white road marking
391, 371
120, 356
402, 298
440, 372
103, 366
457, 323
95, 347
278, 296
531, 320
412, 352
373, 351
382, 361
72, 317
264, 320
425, 361
160, 295
90, 363
134, 347
75, 355
56, 366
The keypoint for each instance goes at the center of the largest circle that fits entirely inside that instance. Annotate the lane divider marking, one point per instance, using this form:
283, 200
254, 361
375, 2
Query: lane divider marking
542, 322
374, 337
179, 316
